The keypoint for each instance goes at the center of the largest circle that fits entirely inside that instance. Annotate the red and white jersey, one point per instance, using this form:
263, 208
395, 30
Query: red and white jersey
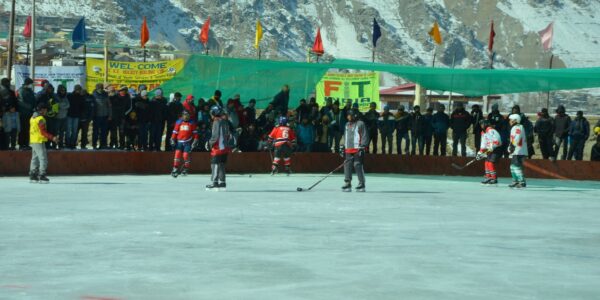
518, 140
490, 140
184, 131
282, 135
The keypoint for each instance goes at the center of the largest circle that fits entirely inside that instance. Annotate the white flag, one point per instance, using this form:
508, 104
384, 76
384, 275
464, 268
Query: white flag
546, 36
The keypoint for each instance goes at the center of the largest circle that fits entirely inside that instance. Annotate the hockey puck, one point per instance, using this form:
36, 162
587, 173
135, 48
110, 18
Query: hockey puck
299, 189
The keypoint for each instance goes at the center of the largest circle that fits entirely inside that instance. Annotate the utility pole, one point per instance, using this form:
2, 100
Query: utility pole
11, 40
32, 65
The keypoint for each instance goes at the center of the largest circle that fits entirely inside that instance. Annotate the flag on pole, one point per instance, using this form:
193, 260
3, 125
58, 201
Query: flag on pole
145, 34
376, 32
318, 45
79, 34
204, 32
259, 34
492, 36
435, 33
546, 36
27, 29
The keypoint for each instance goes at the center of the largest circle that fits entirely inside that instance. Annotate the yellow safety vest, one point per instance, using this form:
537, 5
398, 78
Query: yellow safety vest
35, 133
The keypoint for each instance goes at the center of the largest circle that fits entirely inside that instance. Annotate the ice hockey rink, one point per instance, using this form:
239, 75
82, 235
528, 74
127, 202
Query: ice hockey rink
407, 237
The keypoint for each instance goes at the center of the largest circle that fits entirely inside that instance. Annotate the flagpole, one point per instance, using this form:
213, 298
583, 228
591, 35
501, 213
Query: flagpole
105, 62
84, 54
27, 56
548, 98
433, 66
491, 60
11, 40
258, 52
144, 53
32, 63
373, 58
451, 83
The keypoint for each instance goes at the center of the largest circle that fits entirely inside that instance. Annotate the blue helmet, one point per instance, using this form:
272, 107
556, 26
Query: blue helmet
216, 110
283, 120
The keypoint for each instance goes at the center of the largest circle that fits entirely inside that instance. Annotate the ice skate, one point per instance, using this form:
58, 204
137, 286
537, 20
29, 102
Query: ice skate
222, 187
288, 171
184, 172
274, 170
492, 182
213, 186
175, 172
360, 187
485, 181
43, 179
347, 187
521, 185
33, 178
513, 184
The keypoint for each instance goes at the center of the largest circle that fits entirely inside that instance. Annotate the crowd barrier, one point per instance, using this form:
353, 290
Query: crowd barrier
16, 163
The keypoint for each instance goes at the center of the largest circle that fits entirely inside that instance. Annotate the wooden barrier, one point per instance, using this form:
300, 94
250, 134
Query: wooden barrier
16, 163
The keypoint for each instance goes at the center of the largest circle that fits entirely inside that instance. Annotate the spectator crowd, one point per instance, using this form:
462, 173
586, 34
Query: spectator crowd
129, 119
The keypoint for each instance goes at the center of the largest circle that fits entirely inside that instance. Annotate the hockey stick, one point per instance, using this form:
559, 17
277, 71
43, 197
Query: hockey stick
325, 177
462, 167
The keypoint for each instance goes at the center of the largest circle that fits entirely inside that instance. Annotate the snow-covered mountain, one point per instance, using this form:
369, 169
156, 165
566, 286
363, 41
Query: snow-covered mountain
346, 26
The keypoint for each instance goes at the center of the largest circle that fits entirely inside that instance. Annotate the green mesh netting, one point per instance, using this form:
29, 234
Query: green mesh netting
262, 79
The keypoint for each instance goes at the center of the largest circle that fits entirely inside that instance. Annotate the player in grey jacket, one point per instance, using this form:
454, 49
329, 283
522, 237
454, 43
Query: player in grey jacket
355, 144
219, 146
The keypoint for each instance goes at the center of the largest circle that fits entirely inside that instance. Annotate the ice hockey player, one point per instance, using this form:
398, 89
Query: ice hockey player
490, 150
355, 145
183, 139
219, 146
283, 139
518, 151
38, 136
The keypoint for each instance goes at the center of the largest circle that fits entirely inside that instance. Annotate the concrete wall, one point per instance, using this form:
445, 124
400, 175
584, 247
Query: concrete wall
16, 163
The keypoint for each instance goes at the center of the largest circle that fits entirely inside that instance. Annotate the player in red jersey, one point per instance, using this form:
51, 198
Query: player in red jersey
283, 139
181, 140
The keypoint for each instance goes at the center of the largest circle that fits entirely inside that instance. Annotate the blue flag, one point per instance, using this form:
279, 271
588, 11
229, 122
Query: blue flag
376, 32
79, 34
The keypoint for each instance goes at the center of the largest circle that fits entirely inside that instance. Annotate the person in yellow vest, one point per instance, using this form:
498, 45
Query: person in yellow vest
38, 136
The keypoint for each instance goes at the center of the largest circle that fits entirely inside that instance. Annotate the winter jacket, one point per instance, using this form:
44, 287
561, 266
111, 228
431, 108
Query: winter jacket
371, 118
63, 106
460, 121
11, 121
280, 102
220, 140
89, 108
7, 97
120, 105
356, 137
102, 104
595, 155
76, 105
518, 141
50, 100
544, 127
561, 125
440, 122
174, 110
131, 126
250, 114
476, 117
402, 122
302, 112
416, 124
427, 125
233, 117
338, 121
579, 129
386, 123
158, 110
26, 102
306, 134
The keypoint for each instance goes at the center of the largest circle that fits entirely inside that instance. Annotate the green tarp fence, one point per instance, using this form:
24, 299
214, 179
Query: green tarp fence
262, 79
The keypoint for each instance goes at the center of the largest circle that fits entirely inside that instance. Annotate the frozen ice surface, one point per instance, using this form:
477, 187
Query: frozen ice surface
407, 237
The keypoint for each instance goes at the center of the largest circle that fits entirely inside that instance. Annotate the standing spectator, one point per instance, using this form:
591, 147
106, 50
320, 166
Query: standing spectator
120, 106
440, 122
306, 135
476, 117
579, 132
7, 94
595, 155
386, 124
250, 111
158, 117
562, 121
281, 100
371, 119
322, 138
314, 116
132, 129
544, 127
205, 135
416, 130
87, 115
597, 128
402, 120
249, 139
204, 114
460, 121
302, 111
12, 126
76, 106
528, 127
266, 120
26, 107
428, 130
188, 106
214, 100
101, 117
174, 110
233, 118
61, 116
502, 127
337, 126
144, 116
326, 109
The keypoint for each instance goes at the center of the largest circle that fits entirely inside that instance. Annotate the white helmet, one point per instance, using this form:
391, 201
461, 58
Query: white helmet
515, 117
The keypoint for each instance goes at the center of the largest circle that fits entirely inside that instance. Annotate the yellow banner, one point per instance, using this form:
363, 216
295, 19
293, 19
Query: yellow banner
132, 74
361, 88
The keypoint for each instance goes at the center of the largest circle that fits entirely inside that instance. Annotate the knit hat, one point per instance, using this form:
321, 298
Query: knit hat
158, 92
144, 93
28, 81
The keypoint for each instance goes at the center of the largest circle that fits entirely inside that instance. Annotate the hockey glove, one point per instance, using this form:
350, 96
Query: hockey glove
480, 155
207, 146
361, 153
511, 148
342, 150
195, 143
172, 142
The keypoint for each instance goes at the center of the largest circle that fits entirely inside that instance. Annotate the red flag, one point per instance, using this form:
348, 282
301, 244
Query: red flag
318, 46
145, 35
546, 36
492, 36
27, 29
204, 32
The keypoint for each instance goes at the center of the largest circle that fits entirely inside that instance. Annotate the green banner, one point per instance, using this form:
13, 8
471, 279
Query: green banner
361, 88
